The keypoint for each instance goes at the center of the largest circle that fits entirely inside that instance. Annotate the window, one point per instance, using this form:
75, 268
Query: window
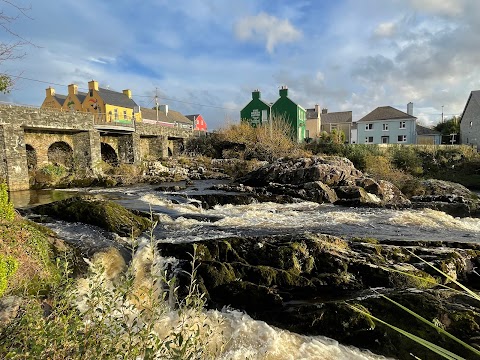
369, 140
124, 114
385, 127
385, 140
403, 125
264, 116
402, 138
115, 114
368, 127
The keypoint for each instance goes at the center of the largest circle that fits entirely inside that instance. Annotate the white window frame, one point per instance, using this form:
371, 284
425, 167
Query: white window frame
385, 127
403, 125
404, 138
367, 139
387, 138
369, 127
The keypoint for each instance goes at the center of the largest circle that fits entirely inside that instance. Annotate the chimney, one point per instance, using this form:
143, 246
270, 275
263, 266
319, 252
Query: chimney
410, 108
93, 85
164, 108
72, 89
256, 94
283, 91
317, 108
50, 91
127, 92
324, 111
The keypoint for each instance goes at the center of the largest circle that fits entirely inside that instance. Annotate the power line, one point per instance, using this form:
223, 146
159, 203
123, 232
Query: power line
136, 96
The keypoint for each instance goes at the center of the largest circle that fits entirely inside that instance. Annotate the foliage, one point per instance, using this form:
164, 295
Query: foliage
7, 211
450, 126
131, 316
8, 267
55, 171
335, 137
406, 158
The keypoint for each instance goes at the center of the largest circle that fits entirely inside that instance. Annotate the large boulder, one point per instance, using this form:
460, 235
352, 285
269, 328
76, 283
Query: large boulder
330, 179
95, 211
309, 283
446, 196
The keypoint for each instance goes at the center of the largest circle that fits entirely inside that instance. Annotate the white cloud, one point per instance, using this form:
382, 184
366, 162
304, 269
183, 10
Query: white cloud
385, 29
266, 28
441, 7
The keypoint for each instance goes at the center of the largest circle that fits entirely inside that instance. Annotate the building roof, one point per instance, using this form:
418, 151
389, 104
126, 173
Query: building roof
312, 114
192, 117
60, 98
81, 96
386, 113
172, 116
422, 130
475, 96
116, 98
336, 117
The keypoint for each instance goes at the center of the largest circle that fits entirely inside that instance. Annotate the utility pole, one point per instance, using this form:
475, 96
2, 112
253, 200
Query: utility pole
442, 114
156, 102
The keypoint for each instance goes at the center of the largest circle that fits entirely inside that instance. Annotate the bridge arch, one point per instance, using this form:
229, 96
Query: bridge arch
109, 154
60, 153
32, 159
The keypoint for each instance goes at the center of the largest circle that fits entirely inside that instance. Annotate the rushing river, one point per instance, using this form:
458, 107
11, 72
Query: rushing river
182, 219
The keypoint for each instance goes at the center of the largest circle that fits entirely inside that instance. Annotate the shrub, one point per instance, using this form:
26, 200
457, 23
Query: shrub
8, 267
54, 171
406, 158
7, 211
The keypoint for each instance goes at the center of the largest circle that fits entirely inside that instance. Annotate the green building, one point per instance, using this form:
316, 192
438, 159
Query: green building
284, 108
257, 111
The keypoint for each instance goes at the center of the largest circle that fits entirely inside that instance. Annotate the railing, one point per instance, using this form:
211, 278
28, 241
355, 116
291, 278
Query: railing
105, 121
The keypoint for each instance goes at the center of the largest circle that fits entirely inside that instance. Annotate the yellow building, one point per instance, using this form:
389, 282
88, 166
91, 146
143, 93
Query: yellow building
52, 100
111, 106
74, 100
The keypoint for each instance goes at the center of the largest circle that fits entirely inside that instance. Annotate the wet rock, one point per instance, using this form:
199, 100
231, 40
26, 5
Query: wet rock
452, 198
330, 179
309, 283
103, 213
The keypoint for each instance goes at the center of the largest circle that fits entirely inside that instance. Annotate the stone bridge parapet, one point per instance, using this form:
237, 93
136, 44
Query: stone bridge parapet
37, 129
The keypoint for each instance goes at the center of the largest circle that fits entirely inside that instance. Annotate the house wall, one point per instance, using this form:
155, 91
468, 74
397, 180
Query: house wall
429, 139
393, 131
254, 112
295, 115
50, 101
470, 125
312, 127
200, 123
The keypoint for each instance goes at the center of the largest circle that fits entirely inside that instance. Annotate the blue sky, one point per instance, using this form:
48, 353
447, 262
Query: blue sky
206, 56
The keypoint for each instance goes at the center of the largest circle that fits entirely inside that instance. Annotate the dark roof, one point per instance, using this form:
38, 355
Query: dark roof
336, 117
60, 98
475, 96
81, 96
422, 130
116, 98
172, 116
386, 113
192, 117
312, 114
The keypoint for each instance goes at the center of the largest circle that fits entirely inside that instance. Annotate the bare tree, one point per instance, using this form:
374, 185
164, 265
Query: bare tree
13, 49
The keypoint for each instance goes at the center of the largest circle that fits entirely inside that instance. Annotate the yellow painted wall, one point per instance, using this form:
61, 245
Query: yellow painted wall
76, 106
50, 102
110, 110
95, 105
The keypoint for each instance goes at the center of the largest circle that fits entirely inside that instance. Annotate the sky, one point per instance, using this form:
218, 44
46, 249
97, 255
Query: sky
207, 56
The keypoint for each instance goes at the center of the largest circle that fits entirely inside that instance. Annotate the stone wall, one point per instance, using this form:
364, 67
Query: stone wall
41, 142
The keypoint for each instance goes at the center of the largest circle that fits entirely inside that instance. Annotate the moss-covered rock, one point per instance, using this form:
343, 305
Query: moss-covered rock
103, 213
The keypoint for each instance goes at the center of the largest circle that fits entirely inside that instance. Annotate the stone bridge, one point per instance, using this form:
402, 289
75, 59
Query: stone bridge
31, 138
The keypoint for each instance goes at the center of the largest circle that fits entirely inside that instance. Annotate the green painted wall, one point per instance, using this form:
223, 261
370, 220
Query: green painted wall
295, 115
256, 112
